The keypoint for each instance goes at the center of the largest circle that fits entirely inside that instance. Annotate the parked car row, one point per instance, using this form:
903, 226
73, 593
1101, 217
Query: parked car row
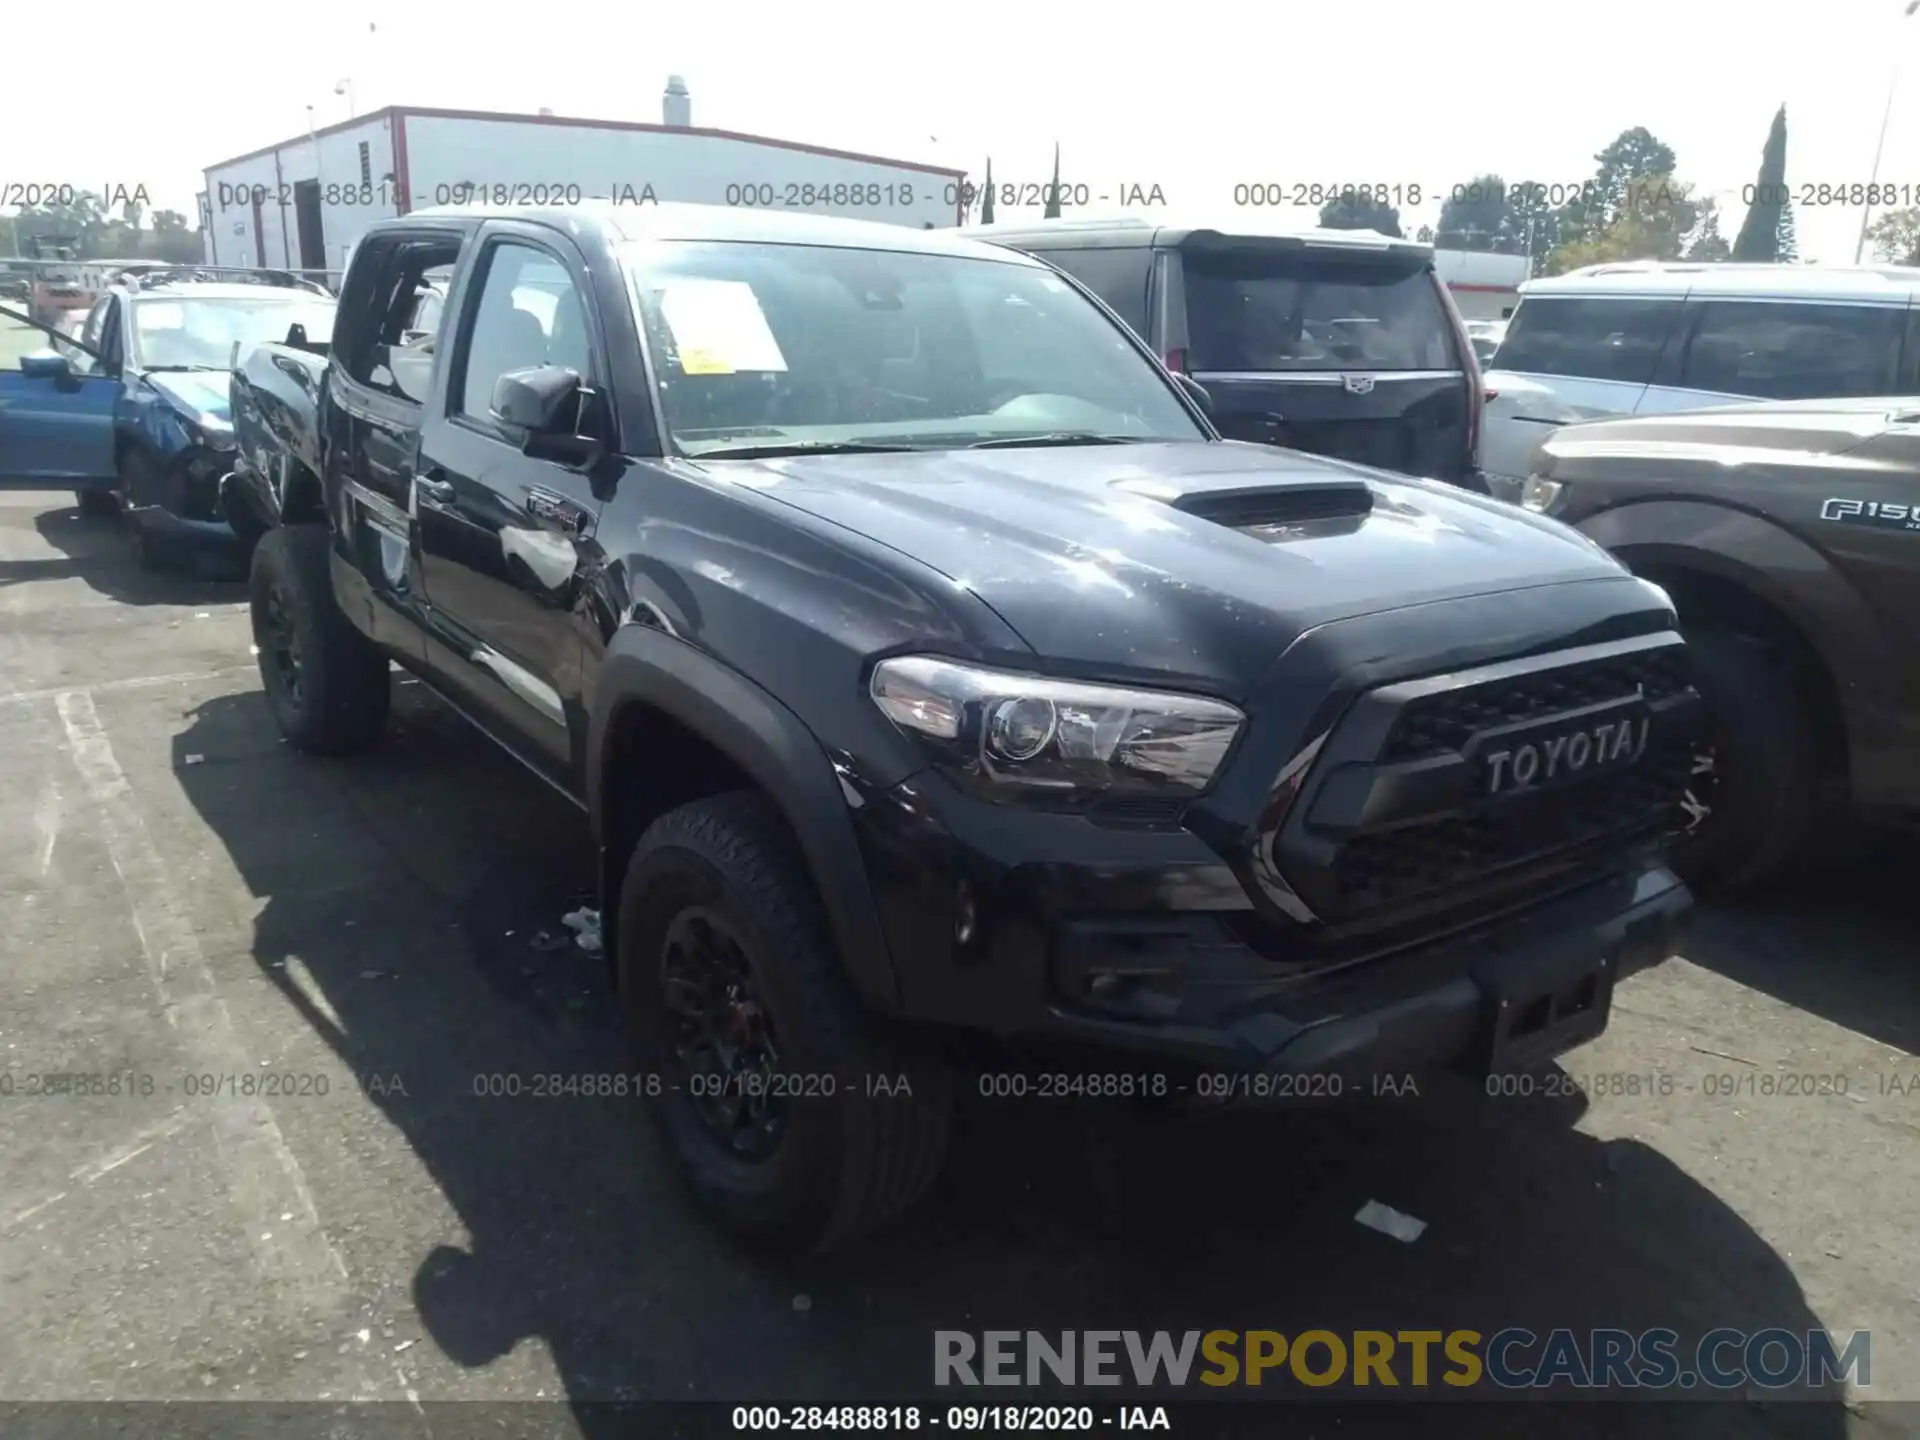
954, 640
1649, 338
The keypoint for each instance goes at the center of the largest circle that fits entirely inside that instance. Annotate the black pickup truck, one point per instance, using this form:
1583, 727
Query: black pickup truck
936, 678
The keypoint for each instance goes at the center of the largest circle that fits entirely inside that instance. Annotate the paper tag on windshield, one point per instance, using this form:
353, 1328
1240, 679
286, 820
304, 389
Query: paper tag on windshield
719, 328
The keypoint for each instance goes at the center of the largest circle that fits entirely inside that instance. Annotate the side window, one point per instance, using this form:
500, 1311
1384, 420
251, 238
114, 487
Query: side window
1118, 277
387, 284
1794, 352
20, 336
528, 314
1591, 339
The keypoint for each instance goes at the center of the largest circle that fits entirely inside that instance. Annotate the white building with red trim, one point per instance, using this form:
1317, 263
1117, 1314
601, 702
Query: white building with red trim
303, 203
1483, 286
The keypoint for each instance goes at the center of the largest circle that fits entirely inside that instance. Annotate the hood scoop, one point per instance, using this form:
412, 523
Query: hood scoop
1279, 505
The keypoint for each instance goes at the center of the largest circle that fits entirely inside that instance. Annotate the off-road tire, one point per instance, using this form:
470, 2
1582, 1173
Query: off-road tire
340, 704
847, 1162
1766, 766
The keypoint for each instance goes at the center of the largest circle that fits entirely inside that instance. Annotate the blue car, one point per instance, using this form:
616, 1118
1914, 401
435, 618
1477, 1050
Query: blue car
131, 411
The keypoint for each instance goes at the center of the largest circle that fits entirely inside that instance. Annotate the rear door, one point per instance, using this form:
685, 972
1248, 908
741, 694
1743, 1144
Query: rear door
56, 410
1334, 349
1567, 358
1759, 349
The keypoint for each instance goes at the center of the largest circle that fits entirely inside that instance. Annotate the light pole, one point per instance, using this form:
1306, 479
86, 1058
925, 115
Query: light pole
345, 87
1866, 211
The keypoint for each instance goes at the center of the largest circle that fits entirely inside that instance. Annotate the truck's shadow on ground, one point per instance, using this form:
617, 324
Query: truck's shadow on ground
1838, 936
415, 891
99, 550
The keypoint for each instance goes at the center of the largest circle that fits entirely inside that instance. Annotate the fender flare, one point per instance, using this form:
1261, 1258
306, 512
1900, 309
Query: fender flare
770, 743
1768, 561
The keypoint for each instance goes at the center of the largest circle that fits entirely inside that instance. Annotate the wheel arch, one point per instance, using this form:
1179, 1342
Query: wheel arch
1761, 581
656, 693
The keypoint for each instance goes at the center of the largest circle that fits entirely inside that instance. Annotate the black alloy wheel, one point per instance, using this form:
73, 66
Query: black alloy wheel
721, 1032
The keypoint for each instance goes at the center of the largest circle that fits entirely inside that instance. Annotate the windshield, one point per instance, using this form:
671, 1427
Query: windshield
1258, 311
816, 345
199, 332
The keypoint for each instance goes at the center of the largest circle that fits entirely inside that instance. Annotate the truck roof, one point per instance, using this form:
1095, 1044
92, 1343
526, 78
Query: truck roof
682, 221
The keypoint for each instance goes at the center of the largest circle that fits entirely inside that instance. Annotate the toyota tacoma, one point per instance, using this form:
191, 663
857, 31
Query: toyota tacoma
929, 668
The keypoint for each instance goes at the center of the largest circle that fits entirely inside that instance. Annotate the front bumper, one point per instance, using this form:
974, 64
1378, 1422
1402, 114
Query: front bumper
182, 506
1052, 929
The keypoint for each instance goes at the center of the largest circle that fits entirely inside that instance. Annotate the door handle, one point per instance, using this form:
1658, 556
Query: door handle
435, 486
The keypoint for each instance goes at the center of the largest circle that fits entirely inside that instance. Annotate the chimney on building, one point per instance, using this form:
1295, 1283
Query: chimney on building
676, 106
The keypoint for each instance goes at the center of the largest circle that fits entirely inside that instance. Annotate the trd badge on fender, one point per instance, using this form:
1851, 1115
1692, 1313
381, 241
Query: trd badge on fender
1612, 744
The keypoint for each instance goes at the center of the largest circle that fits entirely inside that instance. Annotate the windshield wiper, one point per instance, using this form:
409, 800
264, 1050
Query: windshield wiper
177, 369
1056, 437
800, 447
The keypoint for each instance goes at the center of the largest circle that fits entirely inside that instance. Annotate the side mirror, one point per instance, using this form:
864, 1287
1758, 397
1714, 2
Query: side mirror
540, 400
548, 405
47, 365
1196, 392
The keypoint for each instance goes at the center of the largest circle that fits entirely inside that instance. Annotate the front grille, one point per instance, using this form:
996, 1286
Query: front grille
1400, 820
1446, 721
1398, 865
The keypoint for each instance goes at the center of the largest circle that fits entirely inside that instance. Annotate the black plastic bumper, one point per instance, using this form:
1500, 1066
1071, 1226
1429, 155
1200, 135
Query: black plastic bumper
1507, 995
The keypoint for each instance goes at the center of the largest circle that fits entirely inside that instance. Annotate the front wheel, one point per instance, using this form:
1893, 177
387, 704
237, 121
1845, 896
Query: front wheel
1753, 790
326, 683
793, 1121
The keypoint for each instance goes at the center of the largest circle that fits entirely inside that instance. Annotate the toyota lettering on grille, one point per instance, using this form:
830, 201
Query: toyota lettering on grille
1609, 744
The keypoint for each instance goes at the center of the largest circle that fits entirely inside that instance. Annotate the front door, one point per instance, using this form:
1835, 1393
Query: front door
56, 410
505, 537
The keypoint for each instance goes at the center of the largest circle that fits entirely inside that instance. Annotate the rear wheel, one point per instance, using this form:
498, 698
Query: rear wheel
1753, 793
326, 683
794, 1121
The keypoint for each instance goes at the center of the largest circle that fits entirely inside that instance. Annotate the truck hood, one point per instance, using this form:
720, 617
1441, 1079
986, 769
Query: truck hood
1199, 560
1737, 433
194, 393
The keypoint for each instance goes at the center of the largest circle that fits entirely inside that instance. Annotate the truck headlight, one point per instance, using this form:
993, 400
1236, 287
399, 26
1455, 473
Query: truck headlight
1540, 494
1013, 737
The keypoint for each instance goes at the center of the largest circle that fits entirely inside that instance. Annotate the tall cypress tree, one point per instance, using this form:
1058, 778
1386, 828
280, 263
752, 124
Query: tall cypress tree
1052, 212
1759, 238
1786, 245
986, 200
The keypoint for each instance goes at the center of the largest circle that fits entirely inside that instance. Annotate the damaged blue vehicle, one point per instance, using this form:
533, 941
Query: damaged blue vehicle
132, 412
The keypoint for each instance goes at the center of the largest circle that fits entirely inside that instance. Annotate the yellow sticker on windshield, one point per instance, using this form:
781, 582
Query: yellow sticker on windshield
719, 328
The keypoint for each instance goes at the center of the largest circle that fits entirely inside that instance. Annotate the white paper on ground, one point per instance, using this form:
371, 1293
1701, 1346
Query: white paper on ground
1389, 1221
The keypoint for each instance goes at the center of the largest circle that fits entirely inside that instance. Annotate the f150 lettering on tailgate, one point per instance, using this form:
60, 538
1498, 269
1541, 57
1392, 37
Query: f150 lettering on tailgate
1613, 743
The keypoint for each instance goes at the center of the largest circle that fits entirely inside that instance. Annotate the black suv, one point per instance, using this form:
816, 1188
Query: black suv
929, 667
1340, 342
1788, 535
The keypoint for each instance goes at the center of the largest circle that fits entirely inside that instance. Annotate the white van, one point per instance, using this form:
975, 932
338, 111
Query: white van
1650, 338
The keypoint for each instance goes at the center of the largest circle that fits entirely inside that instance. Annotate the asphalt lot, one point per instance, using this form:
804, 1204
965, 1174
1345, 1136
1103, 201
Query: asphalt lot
181, 896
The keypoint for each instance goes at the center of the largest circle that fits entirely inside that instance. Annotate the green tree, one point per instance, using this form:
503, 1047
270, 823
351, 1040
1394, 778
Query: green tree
1896, 236
1052, 212
1760, 233
1707, 244
1424, 235
986, 196
1474, 216
1657, 215
1532, 222
1634, 157
1352, 211
1786, 244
